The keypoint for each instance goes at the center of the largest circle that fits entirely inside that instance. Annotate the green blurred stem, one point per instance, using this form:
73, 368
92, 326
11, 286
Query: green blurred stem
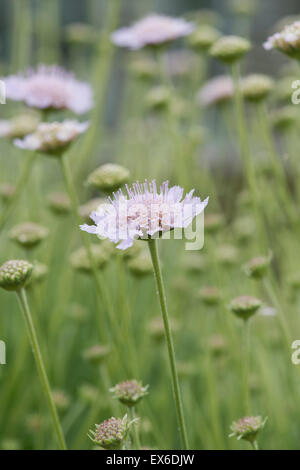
246, 366
152, 243
255, 445
21, 183
136, 436
21, 294
245, 152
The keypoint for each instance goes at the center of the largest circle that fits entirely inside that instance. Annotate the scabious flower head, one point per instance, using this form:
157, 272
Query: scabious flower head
247, 428
14, 274
287, 41
97, 353
218, 90
129, 392
111, 434
49, 87
230, 49
108, 177
28, 234
245, 306
19, 126
256, 87
146, 212
59, 203
52, 138
90, 206
153, 30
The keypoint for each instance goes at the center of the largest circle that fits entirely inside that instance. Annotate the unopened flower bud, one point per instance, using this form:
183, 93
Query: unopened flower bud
7, 191
247, 428
92, 205
108, 177
28, 234
257, 267
111, 434
39, 272
245, 306
203, 38
14, 274
243, 7
96, 354
217, 345
61, 400
81, 33
230, 49
129, 392
210, 295
143, 68
101, 253
284, 118
158, 98
195, 263
227, 254
88, 393
141, 265
59, 203
256, 87
213, 222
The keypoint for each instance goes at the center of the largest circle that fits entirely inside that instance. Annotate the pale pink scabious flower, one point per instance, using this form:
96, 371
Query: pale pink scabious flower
152, 30
51, 137
49, 87
144, 212
287, 41
217, 90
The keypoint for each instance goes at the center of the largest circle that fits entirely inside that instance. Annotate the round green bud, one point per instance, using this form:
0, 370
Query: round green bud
96, 354
61, 400
81, 33
92, 205
203, 38
143, 68
7, 191
28, 234
204, 16
245, 306
256, 87
257, 267
108, 177
88, 393
230, 49
111, 434
285, 118
14, 274
247, 428
101, 253
141, 265
243, 7
227, 254
217, 345
59, 203
194, 263
129, 392
158, 98
210, 295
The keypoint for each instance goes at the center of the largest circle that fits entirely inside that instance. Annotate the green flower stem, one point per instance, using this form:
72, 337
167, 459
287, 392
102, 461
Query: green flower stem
152, 243
255, 445
246, 156
25, 173
136, 436
282, 184
21, 294
102, 293
245, 366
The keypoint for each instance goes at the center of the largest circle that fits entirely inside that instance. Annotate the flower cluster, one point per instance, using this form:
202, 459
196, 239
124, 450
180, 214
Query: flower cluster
287, 41
129, 392
111, 434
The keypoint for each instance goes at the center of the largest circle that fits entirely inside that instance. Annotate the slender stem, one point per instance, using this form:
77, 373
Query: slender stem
255, 445
21, 294
245, 153
246, 367
25, 173
136, 437
152, 243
